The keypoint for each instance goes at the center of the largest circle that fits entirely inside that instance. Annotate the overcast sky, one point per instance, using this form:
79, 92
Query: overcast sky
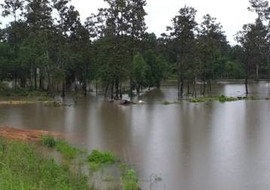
232, 14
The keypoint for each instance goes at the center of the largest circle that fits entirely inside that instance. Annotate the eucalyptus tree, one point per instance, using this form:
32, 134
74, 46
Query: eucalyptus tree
40, 22
13, 8
182, 32
120, 29
212, 44
252, 40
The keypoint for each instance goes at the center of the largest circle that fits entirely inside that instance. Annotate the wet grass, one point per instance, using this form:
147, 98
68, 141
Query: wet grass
166, 102
22, 167
97, 159
61, 146
221, 98
67, 150
25, 166
129, 180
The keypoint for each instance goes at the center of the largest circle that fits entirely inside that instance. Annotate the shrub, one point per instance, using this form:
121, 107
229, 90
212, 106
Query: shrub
129, 181
66, 149
101, 157
49, 141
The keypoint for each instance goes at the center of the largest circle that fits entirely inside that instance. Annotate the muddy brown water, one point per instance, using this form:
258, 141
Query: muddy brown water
209, 146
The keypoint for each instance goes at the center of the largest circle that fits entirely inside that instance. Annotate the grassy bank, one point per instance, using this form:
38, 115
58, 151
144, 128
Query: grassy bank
23, 167
32, 166
221, 98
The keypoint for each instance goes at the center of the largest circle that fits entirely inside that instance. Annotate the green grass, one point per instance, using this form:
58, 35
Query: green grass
224, 98
97, 159
48, 141
61, 146
22, 167
66, 149
221, 98
129, 180
101, 157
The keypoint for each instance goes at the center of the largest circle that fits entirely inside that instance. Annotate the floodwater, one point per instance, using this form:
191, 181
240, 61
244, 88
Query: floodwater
206, 146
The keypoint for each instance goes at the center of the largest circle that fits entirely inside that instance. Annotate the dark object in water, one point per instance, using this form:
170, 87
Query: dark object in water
125, 102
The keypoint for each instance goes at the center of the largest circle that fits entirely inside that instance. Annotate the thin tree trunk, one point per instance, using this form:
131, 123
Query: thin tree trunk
112, 85
63, 89
35, 76
96, 88
188, 86
246, 85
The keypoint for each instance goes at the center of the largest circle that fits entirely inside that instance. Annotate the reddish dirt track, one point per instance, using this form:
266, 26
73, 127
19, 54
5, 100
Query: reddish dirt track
26, 135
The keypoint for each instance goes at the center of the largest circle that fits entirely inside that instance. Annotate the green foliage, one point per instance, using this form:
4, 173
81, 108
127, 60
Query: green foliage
22, 168
48, 141
224, 98
66, 149
139, 70
62, 146
221, 98
101, 157
129, 180
165, 102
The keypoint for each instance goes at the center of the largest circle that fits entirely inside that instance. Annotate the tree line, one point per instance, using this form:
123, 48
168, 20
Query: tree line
47, 47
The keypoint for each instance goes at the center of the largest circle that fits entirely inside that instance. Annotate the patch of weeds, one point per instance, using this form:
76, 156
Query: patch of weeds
123, 168
252, 98
198, 100
97, 159
62, 146
49, 141
168, 102
129, 180
223, 98
66, 149
94, 166
53, 103
101, 157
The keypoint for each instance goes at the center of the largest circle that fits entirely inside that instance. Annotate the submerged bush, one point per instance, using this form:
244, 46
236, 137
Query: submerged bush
98, 157
221, 98
62, 146
66, 149
129, 180
224, 98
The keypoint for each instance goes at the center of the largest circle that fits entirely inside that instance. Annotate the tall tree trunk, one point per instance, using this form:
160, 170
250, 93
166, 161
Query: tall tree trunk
35, 78
85, 87
117, 89
63, 89
204, 87
121, 93
131, 88
194, 88
15, 80
188, 87
246, 85
96, 88
257, 72
112, 88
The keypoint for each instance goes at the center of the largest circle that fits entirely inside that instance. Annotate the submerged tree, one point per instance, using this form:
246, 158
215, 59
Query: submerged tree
182, 33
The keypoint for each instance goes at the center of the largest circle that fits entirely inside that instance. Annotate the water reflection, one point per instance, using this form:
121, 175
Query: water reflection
214, 145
